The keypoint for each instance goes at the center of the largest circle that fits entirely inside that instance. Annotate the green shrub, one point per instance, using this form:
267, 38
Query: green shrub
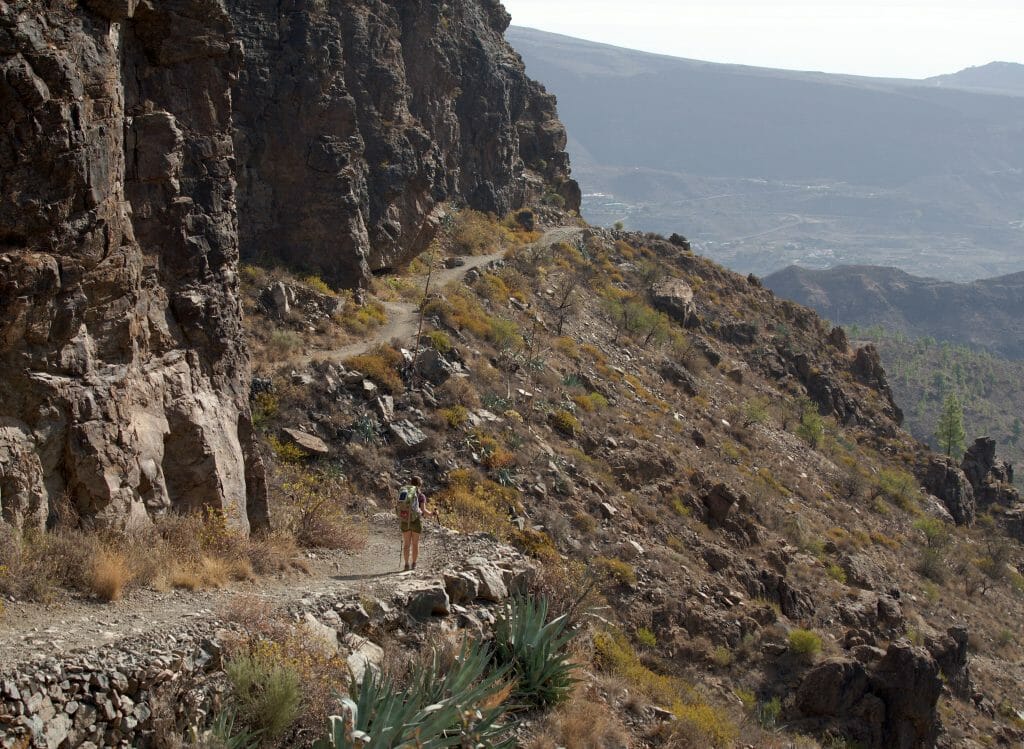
564, 422
591, 402
705, 725
442, 706
936, 534
837, 573
721, 656
767, 712
265, 691
812, 427
615, 569
534, 650
440, 341
646, 638
899, 487
455, 416
805, 643
318, 285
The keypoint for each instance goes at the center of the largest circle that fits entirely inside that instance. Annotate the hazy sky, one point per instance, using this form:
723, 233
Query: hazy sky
904, 38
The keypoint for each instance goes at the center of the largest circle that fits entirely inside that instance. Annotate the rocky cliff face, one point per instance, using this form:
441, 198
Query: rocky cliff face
354, 120
124, 386
125, 378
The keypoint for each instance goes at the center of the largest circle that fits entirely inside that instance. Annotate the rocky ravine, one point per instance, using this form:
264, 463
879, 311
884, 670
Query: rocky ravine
125, 381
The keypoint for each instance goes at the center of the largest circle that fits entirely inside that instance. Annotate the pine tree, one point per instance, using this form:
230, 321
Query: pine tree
950, 429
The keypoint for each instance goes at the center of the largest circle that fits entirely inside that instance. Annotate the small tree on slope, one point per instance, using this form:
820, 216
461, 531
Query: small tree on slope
950, 429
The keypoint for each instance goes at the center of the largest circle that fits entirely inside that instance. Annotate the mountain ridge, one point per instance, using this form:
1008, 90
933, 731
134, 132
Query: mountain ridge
763, 167
983, 313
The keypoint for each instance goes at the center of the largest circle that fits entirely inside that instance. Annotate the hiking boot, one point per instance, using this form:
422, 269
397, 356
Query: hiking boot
406, 567
414, 565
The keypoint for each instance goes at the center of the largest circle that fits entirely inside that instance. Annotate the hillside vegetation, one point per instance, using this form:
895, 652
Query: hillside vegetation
726, 536
721, 478
923, 371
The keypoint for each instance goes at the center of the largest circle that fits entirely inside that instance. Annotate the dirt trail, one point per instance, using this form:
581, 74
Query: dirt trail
402, 316
28, 630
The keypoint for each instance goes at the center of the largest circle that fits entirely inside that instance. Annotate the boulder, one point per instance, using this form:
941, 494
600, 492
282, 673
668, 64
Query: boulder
678, 376
946, 481
867, 368
308, 443
492, 583
881, 702
832, 688
861, 571
718, 558
720, 500
353, 614
428, 599
991, 479
950, 652
674, 297
363, 655
407, 436
907, 681
433, 367
320, 633
462, 587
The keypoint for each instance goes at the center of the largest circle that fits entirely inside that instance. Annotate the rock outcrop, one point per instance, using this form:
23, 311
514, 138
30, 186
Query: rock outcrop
942, 478
991, 479
355, 120
890, 704
125, 380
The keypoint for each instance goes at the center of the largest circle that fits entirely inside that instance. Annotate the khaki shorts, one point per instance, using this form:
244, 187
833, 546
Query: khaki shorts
416, 526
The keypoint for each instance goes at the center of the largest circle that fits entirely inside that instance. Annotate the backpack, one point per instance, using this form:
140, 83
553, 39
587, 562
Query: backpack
408, 507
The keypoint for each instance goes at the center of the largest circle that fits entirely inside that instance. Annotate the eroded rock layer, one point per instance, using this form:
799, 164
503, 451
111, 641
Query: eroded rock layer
124, 377
356, 119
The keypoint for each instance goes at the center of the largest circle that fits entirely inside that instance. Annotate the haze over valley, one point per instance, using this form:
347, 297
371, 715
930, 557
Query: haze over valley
766, 168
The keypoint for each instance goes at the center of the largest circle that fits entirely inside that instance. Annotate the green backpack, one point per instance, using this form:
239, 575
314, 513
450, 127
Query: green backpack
408, 507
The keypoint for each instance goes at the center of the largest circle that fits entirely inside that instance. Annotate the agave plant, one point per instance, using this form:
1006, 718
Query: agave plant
437, 710
534, 649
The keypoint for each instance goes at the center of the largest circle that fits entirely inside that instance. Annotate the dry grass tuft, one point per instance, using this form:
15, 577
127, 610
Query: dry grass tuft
110, 574
581, 724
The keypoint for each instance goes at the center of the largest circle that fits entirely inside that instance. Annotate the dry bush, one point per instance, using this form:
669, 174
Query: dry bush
459, 391
380, 365
278, 648
272, 552
308, 506
26, 571
581, 724
110, 574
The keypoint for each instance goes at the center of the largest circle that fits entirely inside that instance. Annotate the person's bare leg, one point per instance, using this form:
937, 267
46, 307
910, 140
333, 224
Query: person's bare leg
406, 544
415, 547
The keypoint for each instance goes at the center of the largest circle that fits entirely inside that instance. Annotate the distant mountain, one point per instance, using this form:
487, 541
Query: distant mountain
763, 168
999, 77
987, 314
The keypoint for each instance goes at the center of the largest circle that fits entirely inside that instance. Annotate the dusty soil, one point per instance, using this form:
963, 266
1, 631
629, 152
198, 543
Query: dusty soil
74, 623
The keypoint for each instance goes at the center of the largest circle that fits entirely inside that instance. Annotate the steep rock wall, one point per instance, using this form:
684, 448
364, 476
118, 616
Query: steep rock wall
356, 119
124, 376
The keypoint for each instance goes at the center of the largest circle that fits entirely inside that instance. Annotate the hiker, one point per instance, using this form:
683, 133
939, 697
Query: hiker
412, 506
